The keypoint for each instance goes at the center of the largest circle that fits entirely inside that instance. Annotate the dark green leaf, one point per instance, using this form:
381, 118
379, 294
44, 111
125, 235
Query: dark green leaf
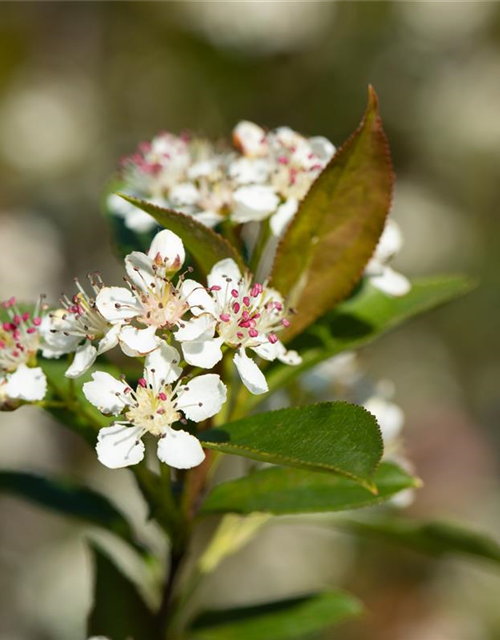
361, 319
69, 499
435, 538
118, 612
283, 490
332, 436
338, 224
283, 620
205, 245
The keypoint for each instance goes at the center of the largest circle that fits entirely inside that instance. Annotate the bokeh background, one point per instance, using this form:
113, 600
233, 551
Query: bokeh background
82, 83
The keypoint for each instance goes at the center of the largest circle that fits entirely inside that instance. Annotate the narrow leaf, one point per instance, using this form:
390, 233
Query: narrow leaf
283, 620
361, 319
206, 246
68, 499
332, 436
436, 538
339, 222
118, 612
282, 490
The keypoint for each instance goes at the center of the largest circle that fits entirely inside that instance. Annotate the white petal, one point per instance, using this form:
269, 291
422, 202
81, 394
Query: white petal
202, 397
255, 202
390, 242
203, 353
139, 269
283, 216
26, 383
117, 304
389, 416
208, 218
58, 344
139, 221
119, 446
250, 374
248, 170
197, 296
109, 340
102, 393
250, 138
138, 342
165, 363
391, 282
221, 272
290, 357
84, 358
179, 449
184, 194
322, 147
168, 249
267, 350
195, 328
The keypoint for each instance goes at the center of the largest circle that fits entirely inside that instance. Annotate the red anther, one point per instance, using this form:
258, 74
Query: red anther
239, 335
225, 317
283, 160
31, 330
285, 322
244, 323
234, 293
273, 338
2, 344
16, 334
162, 396
255, 315
246, 301
253, 333
236, 307
37, 321
215, 287
6, 326
144, 147
256, 290
15, 354
17, 320
278, 306
26, 316
142, 382
245, 315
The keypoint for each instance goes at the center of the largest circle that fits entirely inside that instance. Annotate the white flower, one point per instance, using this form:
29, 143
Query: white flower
19, 343
153, 408
242, 315
151, 300
381, 275
76, 326
134, 218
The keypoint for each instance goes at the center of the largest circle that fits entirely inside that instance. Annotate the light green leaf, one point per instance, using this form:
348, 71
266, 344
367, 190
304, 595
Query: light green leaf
283, 490
205, 245
360, 320
283, 620
118, 612
338, 224
436, 538
332, 436
68, 499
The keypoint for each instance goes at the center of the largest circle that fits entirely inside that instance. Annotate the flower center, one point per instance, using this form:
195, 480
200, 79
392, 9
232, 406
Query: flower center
162, 306
19, 335
251, 315
151, 410
81, 316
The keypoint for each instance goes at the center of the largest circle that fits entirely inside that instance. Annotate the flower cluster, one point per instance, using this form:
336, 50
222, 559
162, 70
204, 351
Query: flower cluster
20, 339
155, 310
264, 175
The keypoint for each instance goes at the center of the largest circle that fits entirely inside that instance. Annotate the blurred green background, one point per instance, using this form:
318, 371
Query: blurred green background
82, 83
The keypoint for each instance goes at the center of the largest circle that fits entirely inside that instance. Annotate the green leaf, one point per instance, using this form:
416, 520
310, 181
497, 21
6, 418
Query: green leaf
118, 612
437, 538
206, 246
338, 224
331, 436
362, 319
283, 490
283, 620
68, 499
